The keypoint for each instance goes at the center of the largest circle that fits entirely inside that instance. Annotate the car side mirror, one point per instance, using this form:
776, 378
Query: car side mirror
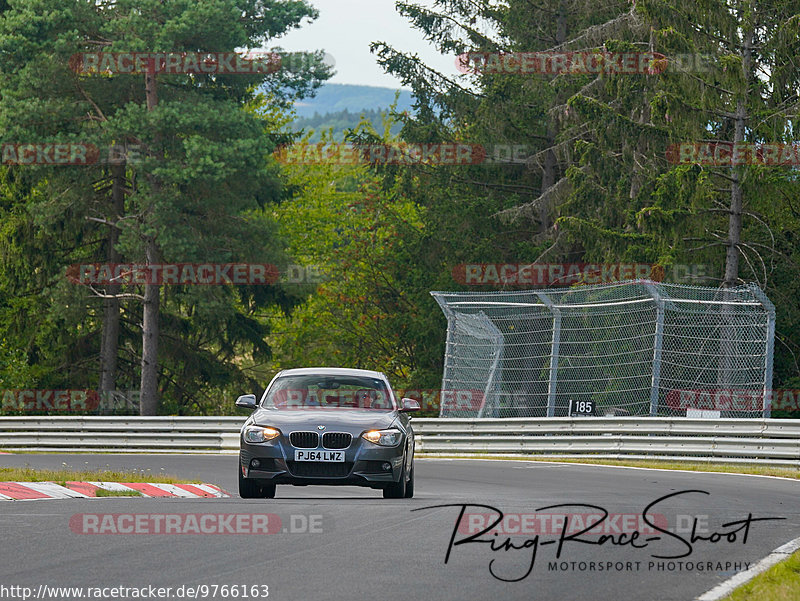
409, 405
246, 401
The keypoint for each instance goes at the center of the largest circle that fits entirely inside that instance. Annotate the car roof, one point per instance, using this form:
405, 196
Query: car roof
331, 371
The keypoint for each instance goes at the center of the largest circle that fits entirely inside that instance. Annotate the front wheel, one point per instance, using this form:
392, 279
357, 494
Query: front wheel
253, 489
248, 488
396, 490
268, 491
410, 484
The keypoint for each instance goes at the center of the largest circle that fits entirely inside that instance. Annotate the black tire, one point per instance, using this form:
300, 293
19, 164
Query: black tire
396, 490
253, 489
248, 488
268, 491
410, 484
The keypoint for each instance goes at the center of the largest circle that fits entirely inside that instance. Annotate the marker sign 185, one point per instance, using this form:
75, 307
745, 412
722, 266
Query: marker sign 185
581, 408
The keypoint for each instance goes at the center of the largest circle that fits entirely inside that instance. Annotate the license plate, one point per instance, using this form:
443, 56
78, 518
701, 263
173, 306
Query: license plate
330, 456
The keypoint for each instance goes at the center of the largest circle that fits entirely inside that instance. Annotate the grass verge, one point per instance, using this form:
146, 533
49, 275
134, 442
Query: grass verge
726, 468
27, 474
780, 583
116, 493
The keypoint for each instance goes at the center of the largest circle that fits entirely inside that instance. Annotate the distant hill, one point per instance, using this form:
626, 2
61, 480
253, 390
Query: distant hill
339, 122
337, 97
340, 106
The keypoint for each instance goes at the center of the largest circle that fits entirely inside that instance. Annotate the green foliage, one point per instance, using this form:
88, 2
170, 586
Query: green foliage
613, 195
356, 233
202, 189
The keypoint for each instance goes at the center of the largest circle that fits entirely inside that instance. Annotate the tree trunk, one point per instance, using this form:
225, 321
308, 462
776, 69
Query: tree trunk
641, 148
110, 341
550, 172
148, 400
728, 343
735, 219
549, 175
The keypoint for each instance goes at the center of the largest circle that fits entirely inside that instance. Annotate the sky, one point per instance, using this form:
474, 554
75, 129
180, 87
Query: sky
345, 29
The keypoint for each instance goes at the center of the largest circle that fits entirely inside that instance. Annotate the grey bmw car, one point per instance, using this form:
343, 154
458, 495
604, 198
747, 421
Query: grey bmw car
329, 426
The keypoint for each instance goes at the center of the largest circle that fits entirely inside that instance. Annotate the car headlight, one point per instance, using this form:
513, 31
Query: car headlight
260, 434
385, 438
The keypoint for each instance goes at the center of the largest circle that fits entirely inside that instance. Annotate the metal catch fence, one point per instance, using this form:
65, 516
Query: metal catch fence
635, 348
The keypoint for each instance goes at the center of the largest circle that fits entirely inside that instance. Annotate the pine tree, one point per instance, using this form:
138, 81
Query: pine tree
203, 176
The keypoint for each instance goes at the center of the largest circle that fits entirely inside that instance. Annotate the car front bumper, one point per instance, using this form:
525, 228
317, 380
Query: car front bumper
364, 464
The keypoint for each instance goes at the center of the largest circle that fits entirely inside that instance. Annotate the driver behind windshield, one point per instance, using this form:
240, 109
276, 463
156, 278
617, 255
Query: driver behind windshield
303, 391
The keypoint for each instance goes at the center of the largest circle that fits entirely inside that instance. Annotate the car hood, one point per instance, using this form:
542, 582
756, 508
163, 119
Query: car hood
342, 420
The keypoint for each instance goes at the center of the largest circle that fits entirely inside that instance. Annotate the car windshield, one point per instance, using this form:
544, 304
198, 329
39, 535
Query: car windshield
328, 392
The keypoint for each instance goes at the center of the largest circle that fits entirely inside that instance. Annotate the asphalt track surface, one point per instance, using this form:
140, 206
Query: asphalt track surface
374, 548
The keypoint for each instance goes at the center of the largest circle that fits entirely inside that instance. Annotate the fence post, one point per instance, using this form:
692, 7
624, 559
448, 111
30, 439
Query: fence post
448, 346
769, 349
768, 357
658, 338
555, 346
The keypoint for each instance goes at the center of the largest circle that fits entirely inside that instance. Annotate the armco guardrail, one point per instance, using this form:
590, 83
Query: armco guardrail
120, 434
771, 441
